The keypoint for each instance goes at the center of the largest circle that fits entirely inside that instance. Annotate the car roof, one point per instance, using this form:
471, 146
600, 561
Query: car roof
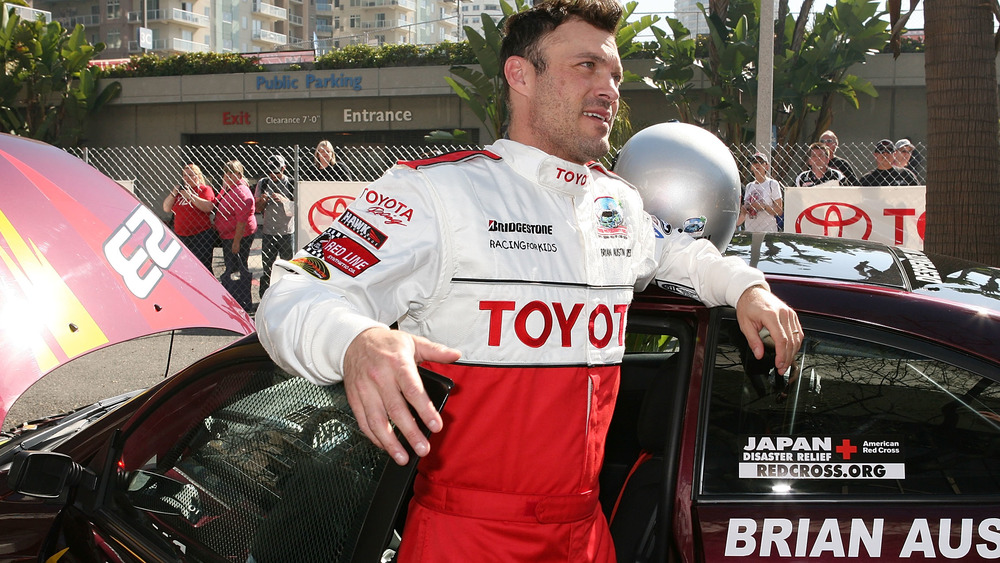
871, 263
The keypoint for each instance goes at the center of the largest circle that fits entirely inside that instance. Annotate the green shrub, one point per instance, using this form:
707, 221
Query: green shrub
364, 56
185, 64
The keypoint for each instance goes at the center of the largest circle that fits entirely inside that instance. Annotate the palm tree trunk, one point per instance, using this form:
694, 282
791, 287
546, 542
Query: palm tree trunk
963, 149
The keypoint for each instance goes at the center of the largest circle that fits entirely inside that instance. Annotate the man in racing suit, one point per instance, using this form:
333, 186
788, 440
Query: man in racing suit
523, 257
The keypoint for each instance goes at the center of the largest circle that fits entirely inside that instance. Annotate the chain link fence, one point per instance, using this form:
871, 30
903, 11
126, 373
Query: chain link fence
787, 161
151, 173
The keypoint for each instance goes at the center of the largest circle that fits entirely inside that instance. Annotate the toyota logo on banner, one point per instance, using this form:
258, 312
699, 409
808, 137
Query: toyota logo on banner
326, 210
837, 219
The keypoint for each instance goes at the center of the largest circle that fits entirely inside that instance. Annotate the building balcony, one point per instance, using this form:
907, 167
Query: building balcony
190, 18
408, 5
323, 28
376, 24
29, 14
185, 46
294, 19
269, 10
270, 37
158, 45
173, 45
70, 22
175, 15
324, 8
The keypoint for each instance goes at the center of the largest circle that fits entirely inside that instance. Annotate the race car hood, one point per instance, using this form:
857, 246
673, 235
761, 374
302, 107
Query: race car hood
85, 265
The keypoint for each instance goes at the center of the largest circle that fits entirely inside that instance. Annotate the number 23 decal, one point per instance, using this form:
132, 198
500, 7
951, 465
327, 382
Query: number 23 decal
151, 248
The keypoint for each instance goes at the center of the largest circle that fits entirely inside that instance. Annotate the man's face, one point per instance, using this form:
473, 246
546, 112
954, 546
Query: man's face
902, 156
573, 102
884, 160
818, 158
830, 142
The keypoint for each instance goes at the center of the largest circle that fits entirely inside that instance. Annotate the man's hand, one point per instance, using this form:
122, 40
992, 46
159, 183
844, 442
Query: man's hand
759, 308
381, 380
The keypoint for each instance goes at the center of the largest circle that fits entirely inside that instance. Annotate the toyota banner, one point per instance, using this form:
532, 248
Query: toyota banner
889, 214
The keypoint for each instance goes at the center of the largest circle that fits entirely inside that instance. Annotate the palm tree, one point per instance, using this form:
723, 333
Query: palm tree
963, 147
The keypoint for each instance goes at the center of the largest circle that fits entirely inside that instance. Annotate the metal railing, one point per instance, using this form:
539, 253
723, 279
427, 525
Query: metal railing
270, 36
70, 22
271, 10
187, 46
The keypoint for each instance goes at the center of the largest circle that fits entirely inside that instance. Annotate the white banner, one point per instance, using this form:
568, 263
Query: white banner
889, 214
319, 203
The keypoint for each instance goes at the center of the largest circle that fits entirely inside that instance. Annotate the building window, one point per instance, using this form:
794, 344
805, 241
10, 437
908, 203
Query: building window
355, 21
114, 10
114, 39
336, 22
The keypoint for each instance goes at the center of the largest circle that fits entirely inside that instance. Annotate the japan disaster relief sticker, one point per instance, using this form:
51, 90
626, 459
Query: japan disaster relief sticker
821, 457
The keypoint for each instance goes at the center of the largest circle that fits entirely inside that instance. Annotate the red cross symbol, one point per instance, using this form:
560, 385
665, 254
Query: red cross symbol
846, 449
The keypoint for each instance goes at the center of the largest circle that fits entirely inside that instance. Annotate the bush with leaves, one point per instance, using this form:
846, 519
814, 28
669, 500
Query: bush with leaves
48, 90
389, 55
185, 64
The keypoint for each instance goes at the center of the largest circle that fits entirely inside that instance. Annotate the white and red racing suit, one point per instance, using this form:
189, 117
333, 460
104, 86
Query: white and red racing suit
526, 263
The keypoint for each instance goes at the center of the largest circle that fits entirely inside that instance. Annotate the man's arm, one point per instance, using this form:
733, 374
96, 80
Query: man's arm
329, 323
727, 280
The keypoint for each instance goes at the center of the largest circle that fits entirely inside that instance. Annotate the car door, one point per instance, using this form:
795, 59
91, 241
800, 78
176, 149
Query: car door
241, 461
874, 446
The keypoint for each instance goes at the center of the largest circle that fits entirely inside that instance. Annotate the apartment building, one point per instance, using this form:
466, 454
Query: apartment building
248, 26
470, 14
376, 22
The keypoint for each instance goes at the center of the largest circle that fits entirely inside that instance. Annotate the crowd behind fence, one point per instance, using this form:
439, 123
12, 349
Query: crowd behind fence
152, 172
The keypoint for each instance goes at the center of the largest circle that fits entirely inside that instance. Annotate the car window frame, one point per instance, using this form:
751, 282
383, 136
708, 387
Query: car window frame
857, 330
376, 530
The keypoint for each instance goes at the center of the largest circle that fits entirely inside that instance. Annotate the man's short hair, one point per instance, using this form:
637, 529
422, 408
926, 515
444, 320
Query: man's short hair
524, 31
821, 147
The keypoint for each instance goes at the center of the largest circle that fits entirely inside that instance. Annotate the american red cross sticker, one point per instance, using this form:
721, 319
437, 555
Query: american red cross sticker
846, 449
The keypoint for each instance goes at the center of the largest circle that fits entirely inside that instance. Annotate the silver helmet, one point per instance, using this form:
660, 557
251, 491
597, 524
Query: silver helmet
687, 177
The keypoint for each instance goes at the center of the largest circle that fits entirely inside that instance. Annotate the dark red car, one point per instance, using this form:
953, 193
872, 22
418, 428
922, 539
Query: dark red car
881, 443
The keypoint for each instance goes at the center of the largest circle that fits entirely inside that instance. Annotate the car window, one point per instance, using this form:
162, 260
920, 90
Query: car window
268, 467
854, 416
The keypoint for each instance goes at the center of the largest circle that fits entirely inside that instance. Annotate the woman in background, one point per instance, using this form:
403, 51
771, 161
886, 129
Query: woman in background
236, 223
327, 168
192, 203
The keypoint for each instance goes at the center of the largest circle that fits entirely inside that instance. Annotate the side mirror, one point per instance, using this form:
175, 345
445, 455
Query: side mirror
153, 492
47, 474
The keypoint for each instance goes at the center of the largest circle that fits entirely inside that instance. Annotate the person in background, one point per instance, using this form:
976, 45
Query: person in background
819, 172
829, 138
236, 223
885, 173
435, 245
762, 202
327, 167
907, 157
192, 203
274, 198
